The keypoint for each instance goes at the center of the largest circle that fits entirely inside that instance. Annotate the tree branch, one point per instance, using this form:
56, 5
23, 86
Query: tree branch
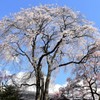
50, 51
83, 59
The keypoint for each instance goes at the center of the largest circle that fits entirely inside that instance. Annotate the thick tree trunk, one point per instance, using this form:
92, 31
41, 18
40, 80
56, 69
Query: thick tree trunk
37, 91
38, 94
46, 96
39, 85
42, 87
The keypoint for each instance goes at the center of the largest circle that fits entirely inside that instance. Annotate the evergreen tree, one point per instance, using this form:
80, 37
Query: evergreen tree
10, 93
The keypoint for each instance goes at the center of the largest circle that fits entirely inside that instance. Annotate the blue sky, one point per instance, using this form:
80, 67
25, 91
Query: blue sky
89, 8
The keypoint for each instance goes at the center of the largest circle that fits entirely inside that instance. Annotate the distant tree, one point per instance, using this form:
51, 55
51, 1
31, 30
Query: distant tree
86, 83
46, 38
59, 96
10, 93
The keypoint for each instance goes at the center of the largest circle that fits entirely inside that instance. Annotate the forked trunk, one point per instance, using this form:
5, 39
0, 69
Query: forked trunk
92, 94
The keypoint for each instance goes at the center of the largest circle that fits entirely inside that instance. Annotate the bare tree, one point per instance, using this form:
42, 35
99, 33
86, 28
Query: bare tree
46, 38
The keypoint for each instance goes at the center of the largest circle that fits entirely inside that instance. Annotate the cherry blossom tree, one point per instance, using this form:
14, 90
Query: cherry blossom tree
45, 39
86, 83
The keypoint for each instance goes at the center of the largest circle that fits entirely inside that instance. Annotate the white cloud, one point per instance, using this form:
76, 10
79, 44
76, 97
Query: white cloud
54, 88
19, 79
5, 73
